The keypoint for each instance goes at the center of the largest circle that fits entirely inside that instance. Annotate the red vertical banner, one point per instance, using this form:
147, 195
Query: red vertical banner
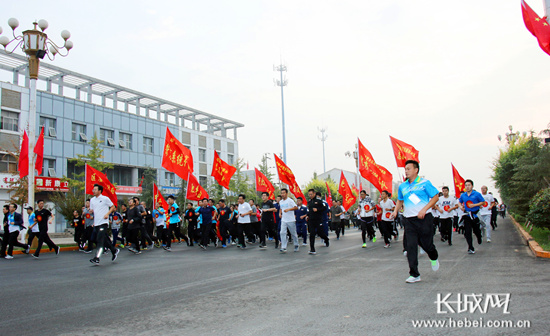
221, 171
344, 190
379, 176
285, 174
458, 182
158, 198
403, 152
94, 176
294, 188
23, 162
329, 196
39, 151
263, 184
176, 157
195, 192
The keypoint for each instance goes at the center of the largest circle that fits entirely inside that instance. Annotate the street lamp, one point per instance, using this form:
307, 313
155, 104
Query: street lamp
355, 155
36, 45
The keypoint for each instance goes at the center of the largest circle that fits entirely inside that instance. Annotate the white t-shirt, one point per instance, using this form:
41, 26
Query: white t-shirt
35, 228
388, 204
244, 208
289, 215
445, 203
343, 211
100, 205
489, 199
366, 207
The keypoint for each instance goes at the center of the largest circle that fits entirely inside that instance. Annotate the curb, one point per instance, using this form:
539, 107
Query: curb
533, 245
47, 250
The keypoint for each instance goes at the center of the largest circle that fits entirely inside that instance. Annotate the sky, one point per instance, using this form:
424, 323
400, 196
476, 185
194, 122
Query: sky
446, 77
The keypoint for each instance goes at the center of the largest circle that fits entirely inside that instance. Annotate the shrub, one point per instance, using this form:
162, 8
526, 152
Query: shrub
539, 209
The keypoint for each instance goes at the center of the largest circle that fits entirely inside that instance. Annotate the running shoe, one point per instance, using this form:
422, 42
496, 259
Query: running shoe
435, 265
34, 256
115, 255
296, 248
224, 246
374, 239
282, 250
488, 240
387, 245
169, 249
327, 243
312, 252
95, 261
57, 250
9, 257
405, 253
471, 252
412, 279
304, 244
27, 250
263, 247
87, 251
364, 245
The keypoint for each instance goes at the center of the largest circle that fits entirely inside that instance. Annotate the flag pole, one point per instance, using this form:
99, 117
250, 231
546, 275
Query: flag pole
85, 181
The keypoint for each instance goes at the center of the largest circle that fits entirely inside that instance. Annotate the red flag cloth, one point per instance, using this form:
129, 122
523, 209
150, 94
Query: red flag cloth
329, 196
379, 176
23, 162
344, 190
285, 174
176, 157
195, 192
39, 151
354, 189
294, 188
458, 182
539, 27
218, 232
403, 152
263, 184
94, 176
158, 198
360, 186
222, 171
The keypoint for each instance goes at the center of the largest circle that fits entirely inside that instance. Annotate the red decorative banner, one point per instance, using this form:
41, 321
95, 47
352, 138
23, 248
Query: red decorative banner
263, 184
176, 157
195, 192
222, 171
329, 196
458, 182
94, 176
344, 190
403, 152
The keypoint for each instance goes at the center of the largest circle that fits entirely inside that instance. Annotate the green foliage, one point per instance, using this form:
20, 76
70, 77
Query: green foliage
240, 184
149, 178
264, 167
521, 171
320, 185
93, 158
539, 209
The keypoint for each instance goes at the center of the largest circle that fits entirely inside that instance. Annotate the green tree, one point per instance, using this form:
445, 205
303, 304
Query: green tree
240, 184
149, 178
264, 167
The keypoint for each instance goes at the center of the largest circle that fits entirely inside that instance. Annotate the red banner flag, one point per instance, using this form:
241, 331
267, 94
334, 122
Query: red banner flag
94, 176
403, 152
39, 151
158, 198
379, 176
285, 174
294, 188
458, 182
176, 157
329, 196
195, 192
23, 162
537, 26
344, 190
354, 188
222, 171
360, 186
263, 184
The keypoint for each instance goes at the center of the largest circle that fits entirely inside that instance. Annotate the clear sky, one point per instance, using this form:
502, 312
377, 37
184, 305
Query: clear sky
446, 77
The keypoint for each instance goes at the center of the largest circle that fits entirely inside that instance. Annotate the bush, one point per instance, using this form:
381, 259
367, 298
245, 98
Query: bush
539, 209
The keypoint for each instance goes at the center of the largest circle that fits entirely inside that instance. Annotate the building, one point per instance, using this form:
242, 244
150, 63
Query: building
73, 107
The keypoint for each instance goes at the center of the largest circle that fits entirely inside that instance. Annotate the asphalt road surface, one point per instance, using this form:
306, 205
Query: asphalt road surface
343, 290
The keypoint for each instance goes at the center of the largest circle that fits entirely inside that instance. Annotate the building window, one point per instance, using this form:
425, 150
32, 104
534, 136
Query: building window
203, 181
79, 132
9, 121
231, 159
125, 140
49, 168
8, 164
73, 171
120, 176
107, 137
170, 179
148, 145
202, 155
49, 125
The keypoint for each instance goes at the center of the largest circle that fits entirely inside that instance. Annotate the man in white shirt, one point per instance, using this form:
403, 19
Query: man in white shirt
366, 218
243, 221
386, 225
447, 206
288, 220
485, 212
101, 207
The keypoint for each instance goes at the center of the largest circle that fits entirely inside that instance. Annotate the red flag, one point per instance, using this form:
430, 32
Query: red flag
176, 157
537, 26
222, 171
294, 188
94, 176
141, 181
263, 184
360, 186
39, 151
344, 190
23, 162
285, 174
403, 152
458, 182
329, 196
158, 198
195, 192
379, 176
354, 188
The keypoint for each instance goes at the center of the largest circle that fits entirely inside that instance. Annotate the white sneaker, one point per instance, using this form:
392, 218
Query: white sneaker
412, 279
9, 257
422, 251
405, 253
435, 265
304, 244
488, 240
296, 248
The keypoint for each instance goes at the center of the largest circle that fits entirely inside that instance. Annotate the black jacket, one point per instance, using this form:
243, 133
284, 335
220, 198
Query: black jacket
316, 216
133, 213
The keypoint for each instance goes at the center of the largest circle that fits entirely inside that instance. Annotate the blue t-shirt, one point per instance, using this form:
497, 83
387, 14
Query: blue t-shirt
206, 213
277, 216
159, 217
475, 197
299, 213
416, 195
174, 215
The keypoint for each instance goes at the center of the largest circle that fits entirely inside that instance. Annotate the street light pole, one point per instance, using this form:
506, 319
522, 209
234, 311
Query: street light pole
323, 138
36, 45
282, 82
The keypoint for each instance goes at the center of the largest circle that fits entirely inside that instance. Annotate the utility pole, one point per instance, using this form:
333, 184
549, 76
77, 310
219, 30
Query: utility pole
282, 82
323, 138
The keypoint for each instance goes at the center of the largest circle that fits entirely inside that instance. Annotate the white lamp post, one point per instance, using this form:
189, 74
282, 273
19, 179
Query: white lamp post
36, 45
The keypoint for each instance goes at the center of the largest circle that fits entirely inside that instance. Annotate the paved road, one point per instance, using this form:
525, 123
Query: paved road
344, 290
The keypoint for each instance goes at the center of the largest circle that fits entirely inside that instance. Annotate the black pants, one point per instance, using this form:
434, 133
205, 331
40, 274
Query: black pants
132, 237
162, 235
103, 240
192, 232
206, 229
494, 219
145, 236
90, 237
447, 229
471, 224
418, 232
80, 237
13, 242
227, 229
243, 229
338, 226
268, 228
316, 229
5, 240
367, 228
436, 224
386, 228
44, 238
31, 237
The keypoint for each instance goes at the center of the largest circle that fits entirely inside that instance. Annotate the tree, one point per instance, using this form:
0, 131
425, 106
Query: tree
264, 167
148, 178
320, 186
240, 184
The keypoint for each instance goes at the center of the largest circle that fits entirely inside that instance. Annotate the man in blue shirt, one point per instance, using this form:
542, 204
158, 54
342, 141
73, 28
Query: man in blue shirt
208, 214
417, 195
301, 220
469, 202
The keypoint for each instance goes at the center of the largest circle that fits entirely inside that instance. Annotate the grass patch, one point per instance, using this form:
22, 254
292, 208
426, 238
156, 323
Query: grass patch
540, 235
